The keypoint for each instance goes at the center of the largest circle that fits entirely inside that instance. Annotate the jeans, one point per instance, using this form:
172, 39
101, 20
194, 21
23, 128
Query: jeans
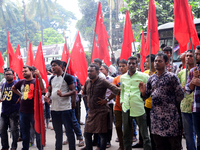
118, 124
76, 126
188, 128
12, 120
25, 121
196, 121
47, 112
59, 118
134, 128
127, 121
88, 140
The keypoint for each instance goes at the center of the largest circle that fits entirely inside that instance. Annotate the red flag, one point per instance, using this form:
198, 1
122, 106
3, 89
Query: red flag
153, 28
142, 53
78, 60
39, 112
95, 51
40, 64
128, 38
1, 63
19, 64
102, 37
184, 27
10, 51
65, 54
29, 60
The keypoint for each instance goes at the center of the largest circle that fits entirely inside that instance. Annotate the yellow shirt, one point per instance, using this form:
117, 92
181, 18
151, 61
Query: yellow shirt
148, 100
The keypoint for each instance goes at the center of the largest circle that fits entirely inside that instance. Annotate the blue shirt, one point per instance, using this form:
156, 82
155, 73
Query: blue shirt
9, 99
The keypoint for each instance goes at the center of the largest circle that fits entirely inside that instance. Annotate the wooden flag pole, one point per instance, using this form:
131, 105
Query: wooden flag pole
112, 52
135, 48
149, 50
92, 46
193, 52
172, 52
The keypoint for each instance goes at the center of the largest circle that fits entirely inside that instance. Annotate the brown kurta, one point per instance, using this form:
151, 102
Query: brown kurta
98, 116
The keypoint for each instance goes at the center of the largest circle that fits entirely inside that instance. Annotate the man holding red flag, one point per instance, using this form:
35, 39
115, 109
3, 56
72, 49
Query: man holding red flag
25, 89
63, 91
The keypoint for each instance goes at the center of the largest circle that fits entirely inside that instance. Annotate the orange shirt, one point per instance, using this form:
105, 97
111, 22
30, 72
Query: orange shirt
116, 81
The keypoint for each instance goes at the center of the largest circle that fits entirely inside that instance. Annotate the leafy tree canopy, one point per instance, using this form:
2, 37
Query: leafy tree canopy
50, 37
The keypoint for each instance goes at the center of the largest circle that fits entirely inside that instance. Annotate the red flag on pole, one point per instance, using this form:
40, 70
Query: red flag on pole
95, 51
65, 54
142, 53
29, 60
184, 27
39, 112
40, 64
128, 38
10, 51
1, 63
78, 60
102, 37
19, 64
153, 28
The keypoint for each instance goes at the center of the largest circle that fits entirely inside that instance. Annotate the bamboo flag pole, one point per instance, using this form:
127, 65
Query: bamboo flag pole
112, 52
149, 50
172, 52
193, 52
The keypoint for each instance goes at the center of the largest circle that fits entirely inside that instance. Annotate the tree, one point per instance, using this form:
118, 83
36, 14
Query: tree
50, 37
138, 10
8, 12
87, 23
40, 8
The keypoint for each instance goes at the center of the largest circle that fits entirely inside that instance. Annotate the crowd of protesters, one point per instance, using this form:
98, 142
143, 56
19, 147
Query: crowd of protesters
163, 102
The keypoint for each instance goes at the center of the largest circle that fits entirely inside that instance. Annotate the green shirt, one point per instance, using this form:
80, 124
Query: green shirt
186, 103
130, 93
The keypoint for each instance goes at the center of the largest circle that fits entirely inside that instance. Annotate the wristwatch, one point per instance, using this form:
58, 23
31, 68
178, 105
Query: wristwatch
107, 99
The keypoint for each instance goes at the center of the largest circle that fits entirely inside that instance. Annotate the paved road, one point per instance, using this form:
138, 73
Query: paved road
50, 138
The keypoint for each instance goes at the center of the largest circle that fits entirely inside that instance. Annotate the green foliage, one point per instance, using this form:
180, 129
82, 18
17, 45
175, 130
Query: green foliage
195, 4
50, 37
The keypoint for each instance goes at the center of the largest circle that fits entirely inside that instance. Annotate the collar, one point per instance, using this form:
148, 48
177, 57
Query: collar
133, 74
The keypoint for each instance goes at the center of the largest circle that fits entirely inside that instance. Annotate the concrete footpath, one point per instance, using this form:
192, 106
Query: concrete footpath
50, 137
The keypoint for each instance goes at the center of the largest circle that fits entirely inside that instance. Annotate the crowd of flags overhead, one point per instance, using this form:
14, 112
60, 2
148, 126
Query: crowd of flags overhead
184, 30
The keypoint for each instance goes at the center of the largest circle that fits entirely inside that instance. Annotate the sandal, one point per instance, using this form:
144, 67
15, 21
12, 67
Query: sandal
108, 145
65, 142
81, 143
134, 139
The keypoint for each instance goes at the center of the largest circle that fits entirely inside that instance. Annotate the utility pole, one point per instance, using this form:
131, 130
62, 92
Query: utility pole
25, 22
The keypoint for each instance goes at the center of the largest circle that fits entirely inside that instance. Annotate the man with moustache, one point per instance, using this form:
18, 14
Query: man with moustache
10, 111
63, 95
193, 84
133, 105
166, 93
98, 115
25, 89
186, 104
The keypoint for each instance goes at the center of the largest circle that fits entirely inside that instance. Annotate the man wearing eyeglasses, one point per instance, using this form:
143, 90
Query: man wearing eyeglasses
10, 111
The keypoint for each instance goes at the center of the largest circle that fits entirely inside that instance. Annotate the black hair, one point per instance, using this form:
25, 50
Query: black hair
168, 49
189, 50
152, 57
29, 67
58, 62
133, 58
163, 55
118, 59
198, 47
95, 66
138, 55
123, 61
162, 46
63, 64
106, 67
97, 60
8, 69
